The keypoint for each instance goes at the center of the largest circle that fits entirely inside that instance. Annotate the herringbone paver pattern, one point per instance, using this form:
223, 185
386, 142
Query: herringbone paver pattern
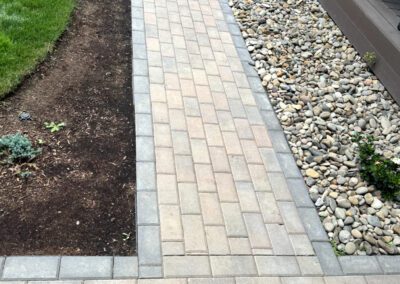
224, 205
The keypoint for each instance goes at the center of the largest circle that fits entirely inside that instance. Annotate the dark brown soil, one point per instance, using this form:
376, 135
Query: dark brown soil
80, 199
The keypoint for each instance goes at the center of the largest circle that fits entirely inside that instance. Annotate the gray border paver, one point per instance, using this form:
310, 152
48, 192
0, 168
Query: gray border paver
31, 267
125, 267
86, 267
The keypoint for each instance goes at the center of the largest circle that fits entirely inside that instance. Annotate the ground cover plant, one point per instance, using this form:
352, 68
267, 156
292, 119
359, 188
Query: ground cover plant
28, 31
377, 170
17, 148
77, 196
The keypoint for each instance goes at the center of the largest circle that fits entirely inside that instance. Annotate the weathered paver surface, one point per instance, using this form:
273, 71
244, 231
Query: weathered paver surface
224, 205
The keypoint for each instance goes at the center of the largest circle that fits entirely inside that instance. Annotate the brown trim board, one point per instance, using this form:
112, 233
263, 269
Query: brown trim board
367, 30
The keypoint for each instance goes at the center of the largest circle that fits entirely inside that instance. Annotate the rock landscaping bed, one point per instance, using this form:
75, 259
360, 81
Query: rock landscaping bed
323, 94
73, 191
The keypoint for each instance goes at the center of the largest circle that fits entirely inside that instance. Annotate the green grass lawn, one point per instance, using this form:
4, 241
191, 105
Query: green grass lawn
28, 31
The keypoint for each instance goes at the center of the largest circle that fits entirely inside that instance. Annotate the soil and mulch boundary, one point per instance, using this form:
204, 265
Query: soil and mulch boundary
78, 196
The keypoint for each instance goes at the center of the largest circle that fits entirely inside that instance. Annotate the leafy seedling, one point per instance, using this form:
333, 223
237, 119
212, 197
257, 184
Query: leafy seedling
25, 174
126, 236
336, 250
54, 127
370, 58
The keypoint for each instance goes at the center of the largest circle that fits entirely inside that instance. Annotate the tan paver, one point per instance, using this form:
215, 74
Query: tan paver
194, 235
211, 281
232, 143
352, 279
219, 159
213, 134
173, 248
234, 223
162, 135
171, 227
167, 189
233, 265
211, 209
200, 151
258, 235
186, 266
259, 178
258, 280
217, 240
303, 280
189, 198
309, 265
247, 197
184, 169
239, 246
251, 152
165, 161
301, 244
205, 178
226, 187
269, 208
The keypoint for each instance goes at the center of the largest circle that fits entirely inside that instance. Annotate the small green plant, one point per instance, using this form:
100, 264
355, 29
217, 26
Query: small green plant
17, 148
336, 250
126, 237
53, 126
25, 174
377, 170
370, 58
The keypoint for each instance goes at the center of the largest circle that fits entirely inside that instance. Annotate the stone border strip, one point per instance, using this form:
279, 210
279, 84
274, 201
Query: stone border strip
147, 215
330, 263
67, 267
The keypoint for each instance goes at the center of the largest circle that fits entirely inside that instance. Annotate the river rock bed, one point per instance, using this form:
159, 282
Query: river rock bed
323, 93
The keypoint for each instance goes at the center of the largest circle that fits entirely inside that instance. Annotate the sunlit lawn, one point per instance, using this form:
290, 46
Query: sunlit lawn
28, 31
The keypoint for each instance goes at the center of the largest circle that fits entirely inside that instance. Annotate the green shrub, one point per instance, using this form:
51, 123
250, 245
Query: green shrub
336, 250
370, 58
375, 169
17, 148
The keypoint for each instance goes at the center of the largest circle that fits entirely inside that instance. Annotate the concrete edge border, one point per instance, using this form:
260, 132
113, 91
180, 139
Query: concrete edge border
147, 214
331, 264
18, 268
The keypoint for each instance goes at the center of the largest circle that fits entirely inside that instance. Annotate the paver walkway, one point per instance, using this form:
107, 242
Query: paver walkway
224, 205
213, 164
215, 176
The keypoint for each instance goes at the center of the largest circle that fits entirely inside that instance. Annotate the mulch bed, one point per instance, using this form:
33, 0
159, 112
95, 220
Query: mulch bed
80, 199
